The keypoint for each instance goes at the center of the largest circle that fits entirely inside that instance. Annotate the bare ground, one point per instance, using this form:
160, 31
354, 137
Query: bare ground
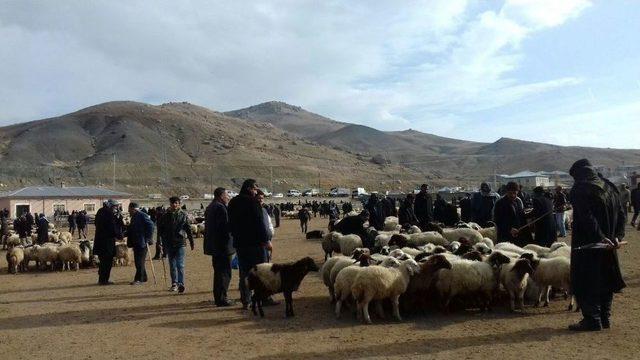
64, 315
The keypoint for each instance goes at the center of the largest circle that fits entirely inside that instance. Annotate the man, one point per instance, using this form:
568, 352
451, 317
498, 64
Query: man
509, 216
139, 237
376, 212
175, 230
30, 222
406, 216
545, 226
266, 219
250, 238
276, 215
482, 204
218, 244
635, 202
438, 209
625, 197
598, 218
304, 216
71, 219
4, 230
524, 197
423, 206
559, 207
354, 225
107, 231
465, 208
159, 213
43, 228
81, 223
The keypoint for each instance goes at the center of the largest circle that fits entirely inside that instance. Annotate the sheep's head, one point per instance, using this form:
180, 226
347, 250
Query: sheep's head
411, 266
439, 250
473, 255
308, 264
359, 252
464, 248
432, 226
398, 240
497, 258
385, 250
532, 260
396, 253
454, 246
435, 263
482, 248
390, 262
521, 267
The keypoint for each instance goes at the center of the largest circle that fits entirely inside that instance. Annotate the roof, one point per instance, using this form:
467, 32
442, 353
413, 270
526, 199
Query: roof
62, 192
526, 173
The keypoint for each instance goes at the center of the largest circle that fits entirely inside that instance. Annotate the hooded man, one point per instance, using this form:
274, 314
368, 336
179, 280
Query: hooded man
482, 204
545, 226
598, 219
423, 206
406, 215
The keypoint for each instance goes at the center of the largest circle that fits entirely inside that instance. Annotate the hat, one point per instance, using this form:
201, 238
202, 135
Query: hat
111, 203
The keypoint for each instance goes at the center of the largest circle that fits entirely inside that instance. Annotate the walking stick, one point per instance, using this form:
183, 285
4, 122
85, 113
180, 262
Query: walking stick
534, 221
164, 269
153, 270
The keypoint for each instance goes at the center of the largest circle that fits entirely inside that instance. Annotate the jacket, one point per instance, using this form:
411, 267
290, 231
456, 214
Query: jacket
107, 231
509, 215
140, 231
247, 224
545, 228
482, 205
217, 236
597, 214
423, 207
175, 230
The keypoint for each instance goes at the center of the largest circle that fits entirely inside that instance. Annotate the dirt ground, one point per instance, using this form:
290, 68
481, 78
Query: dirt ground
63, 315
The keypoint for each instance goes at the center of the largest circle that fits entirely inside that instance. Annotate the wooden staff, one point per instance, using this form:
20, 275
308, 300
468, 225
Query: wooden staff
153, 270
534, 221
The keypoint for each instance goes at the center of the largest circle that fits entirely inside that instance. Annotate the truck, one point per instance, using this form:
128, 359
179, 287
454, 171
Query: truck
339, 192
293, 193
311, 192
357, 192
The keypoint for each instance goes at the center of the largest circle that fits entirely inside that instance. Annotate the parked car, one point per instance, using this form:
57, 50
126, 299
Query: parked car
278, 195
184, 197
294, 193
311, 192
339, 192
357, 192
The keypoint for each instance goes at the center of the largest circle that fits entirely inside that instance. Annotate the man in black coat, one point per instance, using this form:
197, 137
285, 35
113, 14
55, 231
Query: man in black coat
635, 202
354, 225
104, 246
250, 238
276, 215
545, 226
598, 219
465, 208
43, 228
218, 244
509, 217
406, 216
423, 206
376, 212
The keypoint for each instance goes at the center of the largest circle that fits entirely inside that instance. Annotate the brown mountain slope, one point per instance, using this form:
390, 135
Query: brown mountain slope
202, 148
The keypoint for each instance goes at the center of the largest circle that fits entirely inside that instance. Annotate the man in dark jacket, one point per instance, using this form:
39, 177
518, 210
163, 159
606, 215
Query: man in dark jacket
250, 238
218, 244
406, 216
423, 206
81, 223
559, 207
545, 226
465, 208
482, 204
71, 219
598, 219
635, 202
304, 216
139, 237
30, 222
175, 230
276, 215
43, 228
107, 231
376, 212
509, 217
4, 230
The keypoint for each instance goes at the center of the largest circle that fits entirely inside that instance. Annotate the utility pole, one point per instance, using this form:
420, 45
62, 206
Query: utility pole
271, 178
211, 179
114, 172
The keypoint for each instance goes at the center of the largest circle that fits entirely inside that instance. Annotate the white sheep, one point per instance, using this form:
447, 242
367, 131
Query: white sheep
201, 229
347, 243
325, 273
70, 254
471, 235
514, 277
414, 229
329, 246
390, 223
122, 254
13, 240
427, 237
53, 237
15, 257
489, 232
482, 248
554, 272
379, 283
47, 254
559, 249
30, 255
65, 237
382, 240
511, 247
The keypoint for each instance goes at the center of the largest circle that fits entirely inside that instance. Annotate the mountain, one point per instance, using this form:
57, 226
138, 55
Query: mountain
292, 119
173, 147
184, 148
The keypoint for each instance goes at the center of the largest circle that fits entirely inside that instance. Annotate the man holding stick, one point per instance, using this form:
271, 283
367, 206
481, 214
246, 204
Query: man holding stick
510, 219
598, 228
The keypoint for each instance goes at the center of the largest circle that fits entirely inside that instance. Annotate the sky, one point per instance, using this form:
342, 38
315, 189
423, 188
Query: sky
563, 72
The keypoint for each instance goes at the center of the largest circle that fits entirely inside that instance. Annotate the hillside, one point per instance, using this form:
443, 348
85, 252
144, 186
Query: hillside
177, 146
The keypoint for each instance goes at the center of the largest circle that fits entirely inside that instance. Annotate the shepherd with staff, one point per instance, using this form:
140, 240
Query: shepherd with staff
510, 219
598, 230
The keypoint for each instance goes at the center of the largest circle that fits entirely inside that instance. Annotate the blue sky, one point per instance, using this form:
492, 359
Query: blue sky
564, 72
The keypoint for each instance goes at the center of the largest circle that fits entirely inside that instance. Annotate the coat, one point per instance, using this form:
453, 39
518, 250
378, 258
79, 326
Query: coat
217, 237
174, 229
43, 229
423, 208
247, 223
465, 209
545, 228
376, 213
509, 215
406, 214
597, 214
140, 231
482, 207
107, 231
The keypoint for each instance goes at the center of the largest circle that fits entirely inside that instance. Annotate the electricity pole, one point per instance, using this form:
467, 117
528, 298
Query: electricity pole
114, 172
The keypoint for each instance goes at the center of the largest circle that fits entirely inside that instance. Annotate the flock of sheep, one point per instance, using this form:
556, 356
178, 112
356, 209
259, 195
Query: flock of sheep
417, 269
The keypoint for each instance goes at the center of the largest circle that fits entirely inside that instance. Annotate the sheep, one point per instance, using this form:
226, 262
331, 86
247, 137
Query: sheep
86, 248
511, 247
325, 273
473, 236
488, 242
347, 243
454, 246
314, 235
469, 277
427, 237
15, 257
201, 228
329, 246
482, 248
554, 272
414, 229
30, 255
489, 232
47, 254
390, 223
68, 255
559, 249
267, 279
411, 251
423, 280
379, 283
339, 265
514, 277
382, 240
65, 237
194, 230
122, 254
344, 280
53, 237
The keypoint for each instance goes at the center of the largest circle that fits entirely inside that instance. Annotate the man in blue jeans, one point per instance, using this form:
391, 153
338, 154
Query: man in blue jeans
559, 207
139, 236
175, 230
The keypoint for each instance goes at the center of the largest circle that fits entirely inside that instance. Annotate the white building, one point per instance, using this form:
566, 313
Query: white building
528, 179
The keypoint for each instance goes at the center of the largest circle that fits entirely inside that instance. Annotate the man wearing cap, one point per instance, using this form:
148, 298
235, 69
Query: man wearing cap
598, 219
104, 246
175, 230
482, 204
139, 236
509, 216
